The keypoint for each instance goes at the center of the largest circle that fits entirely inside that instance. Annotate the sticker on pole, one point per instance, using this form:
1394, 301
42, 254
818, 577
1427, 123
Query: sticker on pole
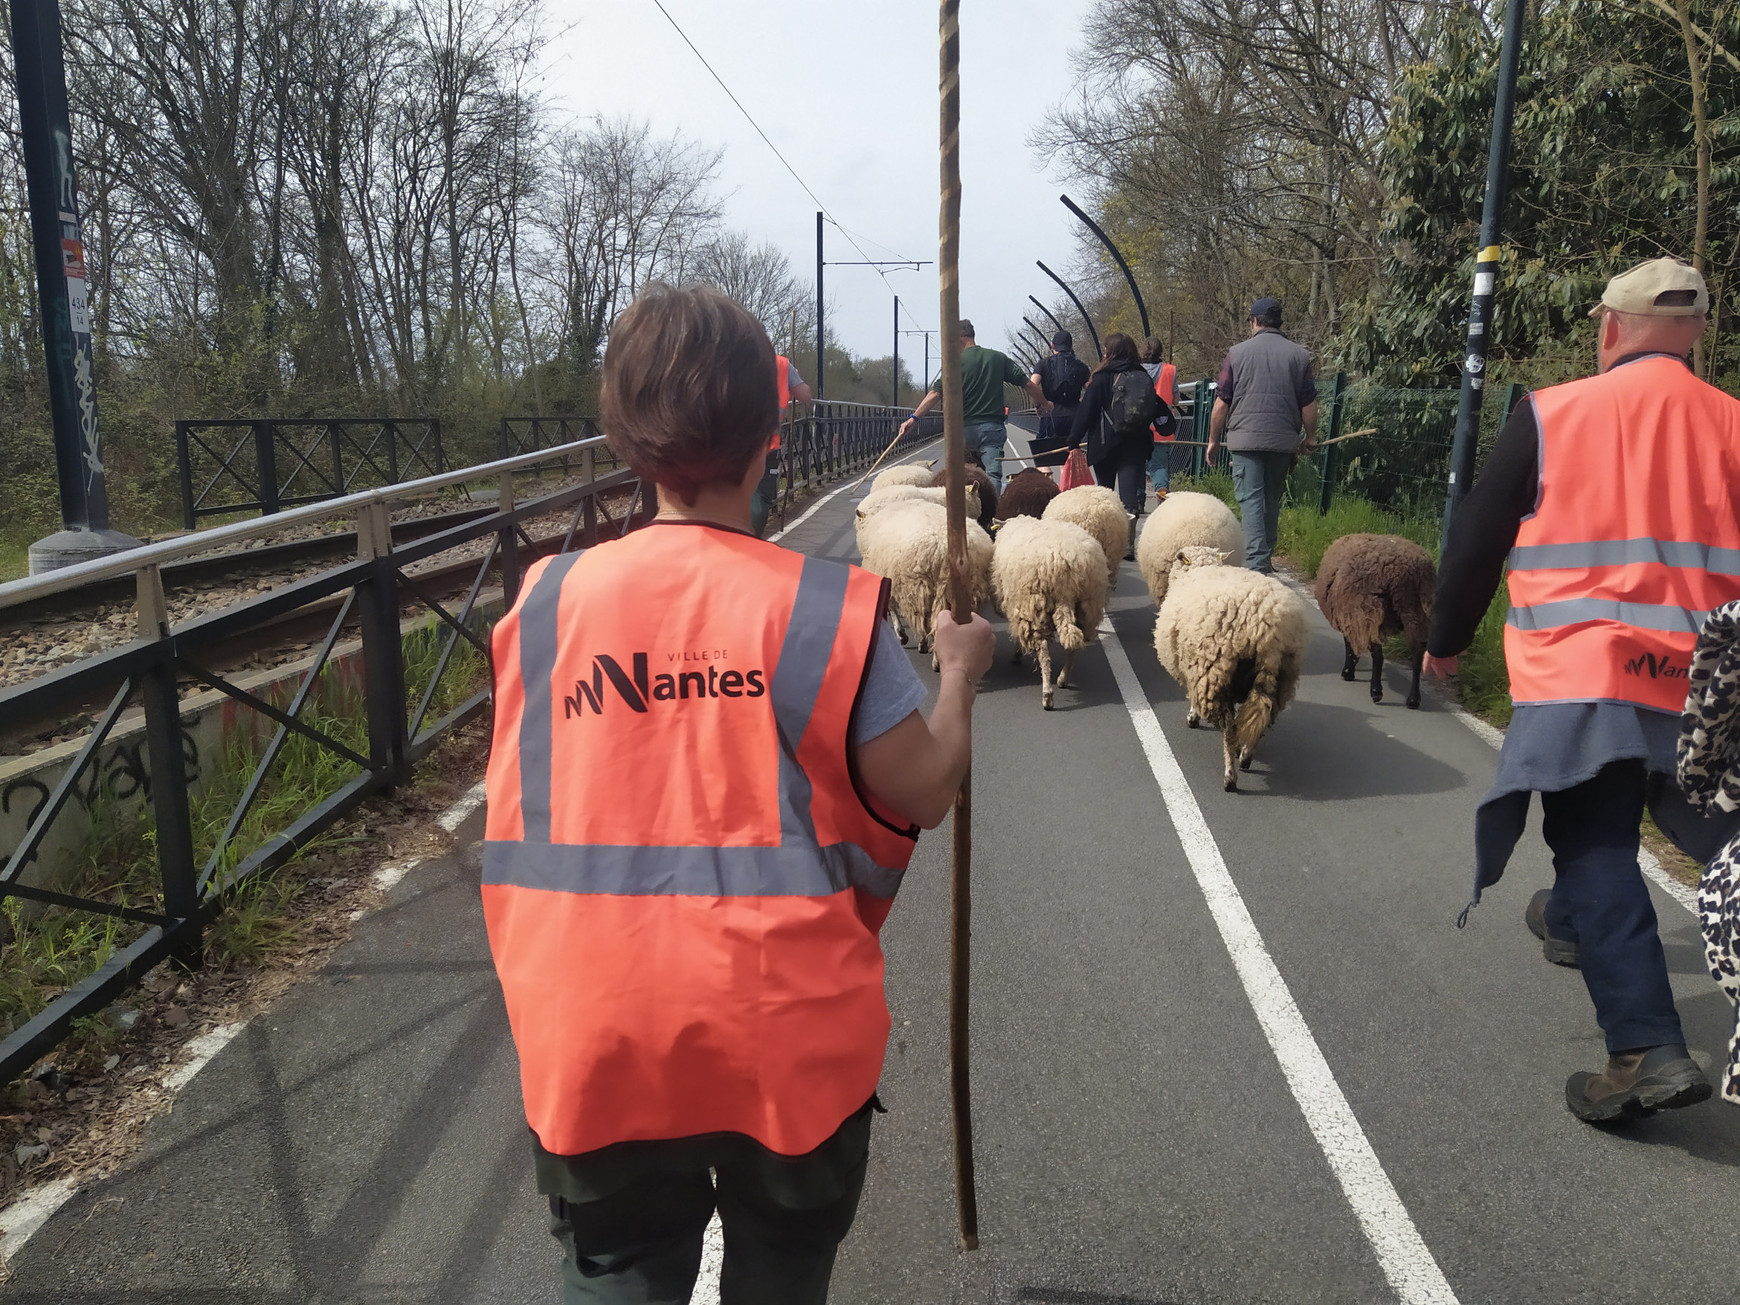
1483, 283
72, 261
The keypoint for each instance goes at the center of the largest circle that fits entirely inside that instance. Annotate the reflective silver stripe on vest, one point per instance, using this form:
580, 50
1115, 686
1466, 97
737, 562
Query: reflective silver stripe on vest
688, 871
798, 867
1687, 554
538, 644
1575, 611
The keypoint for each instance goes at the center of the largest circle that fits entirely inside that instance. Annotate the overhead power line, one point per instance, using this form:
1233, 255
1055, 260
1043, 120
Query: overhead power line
807, 189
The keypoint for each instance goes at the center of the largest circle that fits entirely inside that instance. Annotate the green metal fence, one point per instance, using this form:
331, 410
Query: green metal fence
1390, 446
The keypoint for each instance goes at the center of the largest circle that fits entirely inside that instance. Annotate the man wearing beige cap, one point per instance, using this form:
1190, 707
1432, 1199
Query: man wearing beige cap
1612, 499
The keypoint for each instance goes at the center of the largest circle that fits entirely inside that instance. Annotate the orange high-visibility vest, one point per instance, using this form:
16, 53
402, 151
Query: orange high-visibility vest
782, 368
1633, 541
1166, 386
682, 883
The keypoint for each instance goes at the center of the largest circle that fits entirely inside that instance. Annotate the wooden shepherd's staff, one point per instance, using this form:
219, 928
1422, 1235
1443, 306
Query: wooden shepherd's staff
960, 601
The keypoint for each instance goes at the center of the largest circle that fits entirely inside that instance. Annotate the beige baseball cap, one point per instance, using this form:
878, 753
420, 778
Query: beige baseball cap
1658, 288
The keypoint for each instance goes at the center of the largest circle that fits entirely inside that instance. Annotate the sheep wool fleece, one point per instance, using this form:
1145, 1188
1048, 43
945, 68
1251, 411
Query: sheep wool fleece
1183, 520
1026, 494
1224, 627
911, 474
1100, 512
1049, 578
1363, 578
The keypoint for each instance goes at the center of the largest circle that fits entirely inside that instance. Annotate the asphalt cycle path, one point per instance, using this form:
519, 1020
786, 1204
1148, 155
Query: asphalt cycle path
1226, 1048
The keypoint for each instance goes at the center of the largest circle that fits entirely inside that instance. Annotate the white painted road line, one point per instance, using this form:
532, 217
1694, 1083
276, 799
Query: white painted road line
200, 1050
817, 507
712, 1260
1401, 1252
20, 1220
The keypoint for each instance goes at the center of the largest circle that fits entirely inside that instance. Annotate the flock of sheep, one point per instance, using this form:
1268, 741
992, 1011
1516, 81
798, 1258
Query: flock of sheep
1234, 640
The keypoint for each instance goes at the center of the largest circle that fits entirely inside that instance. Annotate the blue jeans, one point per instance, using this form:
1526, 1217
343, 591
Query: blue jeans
1160, 466
988, 437
1259, 480
1601, 903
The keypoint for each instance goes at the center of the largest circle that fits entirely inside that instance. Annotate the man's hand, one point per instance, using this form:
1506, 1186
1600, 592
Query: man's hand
1308, 444
907, 425
1439, 668
967, 648
1213, 448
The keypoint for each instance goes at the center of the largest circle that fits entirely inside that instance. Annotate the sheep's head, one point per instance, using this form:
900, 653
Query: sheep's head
1193, 555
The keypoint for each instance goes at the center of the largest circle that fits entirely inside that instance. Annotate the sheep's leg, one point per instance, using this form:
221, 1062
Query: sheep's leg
1191, 719
1351, 664
899, 629
1418, 653
1068, 666
1377, 671
1015, 656
1046, 687
1230, 781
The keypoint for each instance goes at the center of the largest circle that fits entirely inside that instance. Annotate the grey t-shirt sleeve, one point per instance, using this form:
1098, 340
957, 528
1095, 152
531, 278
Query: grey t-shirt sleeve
792, 379
892, 690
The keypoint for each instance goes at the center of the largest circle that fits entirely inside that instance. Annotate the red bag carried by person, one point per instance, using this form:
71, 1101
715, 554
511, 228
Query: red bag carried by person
1075, 471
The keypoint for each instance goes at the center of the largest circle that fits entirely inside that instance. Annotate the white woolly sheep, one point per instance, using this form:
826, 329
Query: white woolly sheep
877, 500
1049, 579
908, 543
1181, 520
1235, 642
1099, 511
1373, 586
914, 473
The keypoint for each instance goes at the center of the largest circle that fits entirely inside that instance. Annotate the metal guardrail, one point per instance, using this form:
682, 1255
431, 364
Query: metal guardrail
192, 884
833, 438
150, 673
265, 465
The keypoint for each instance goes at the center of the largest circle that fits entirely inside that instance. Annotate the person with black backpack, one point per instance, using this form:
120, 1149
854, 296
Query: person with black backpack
1118, 418
1060, 377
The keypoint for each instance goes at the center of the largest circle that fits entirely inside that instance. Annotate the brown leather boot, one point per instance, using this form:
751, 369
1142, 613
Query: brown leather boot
1638, 1083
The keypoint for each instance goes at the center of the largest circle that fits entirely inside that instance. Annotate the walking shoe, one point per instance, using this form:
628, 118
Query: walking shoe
1636, 1084
1559, 951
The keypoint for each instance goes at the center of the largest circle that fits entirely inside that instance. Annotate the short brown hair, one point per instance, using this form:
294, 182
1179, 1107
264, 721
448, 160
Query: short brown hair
690, 394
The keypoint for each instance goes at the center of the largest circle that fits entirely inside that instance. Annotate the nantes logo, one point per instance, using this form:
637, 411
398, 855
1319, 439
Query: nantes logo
1656, 668
637, 690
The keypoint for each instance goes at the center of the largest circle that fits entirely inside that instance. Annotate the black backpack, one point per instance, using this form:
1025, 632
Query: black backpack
1134, 406
1061, 376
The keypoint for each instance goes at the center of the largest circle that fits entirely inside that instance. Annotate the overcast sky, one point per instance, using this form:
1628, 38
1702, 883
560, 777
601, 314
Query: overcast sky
847, 89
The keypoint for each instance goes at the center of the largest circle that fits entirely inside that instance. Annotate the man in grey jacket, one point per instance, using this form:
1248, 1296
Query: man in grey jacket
1265, 397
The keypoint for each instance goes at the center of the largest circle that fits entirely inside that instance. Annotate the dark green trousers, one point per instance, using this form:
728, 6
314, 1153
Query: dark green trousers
631, 1217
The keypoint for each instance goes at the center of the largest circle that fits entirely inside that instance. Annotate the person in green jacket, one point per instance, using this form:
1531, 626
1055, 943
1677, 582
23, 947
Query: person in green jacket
984, 372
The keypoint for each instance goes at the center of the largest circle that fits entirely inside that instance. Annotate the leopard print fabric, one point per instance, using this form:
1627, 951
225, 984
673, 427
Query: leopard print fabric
1709, 775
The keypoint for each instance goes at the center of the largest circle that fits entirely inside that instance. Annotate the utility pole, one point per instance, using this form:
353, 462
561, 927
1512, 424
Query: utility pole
820, 311
896, 351
926, 334
1486, 260
62, 290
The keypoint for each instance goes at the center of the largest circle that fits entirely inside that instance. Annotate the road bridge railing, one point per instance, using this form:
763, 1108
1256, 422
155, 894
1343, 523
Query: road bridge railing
405, 686
830, 438
265, 465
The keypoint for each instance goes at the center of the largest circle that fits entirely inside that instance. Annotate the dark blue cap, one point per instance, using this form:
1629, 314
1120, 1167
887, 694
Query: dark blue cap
1267, 307
1062, 342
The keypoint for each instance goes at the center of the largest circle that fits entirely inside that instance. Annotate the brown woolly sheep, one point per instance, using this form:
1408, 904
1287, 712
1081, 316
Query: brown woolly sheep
1026, 494
976, 475
1373, 586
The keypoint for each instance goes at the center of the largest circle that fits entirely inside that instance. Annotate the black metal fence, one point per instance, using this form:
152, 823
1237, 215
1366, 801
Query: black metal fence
400, 717
267, 465
835, 439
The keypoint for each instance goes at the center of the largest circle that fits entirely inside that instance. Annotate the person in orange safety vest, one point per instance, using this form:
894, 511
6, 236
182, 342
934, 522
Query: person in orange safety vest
1166, 390
791, 386
1613, 500
707, 775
